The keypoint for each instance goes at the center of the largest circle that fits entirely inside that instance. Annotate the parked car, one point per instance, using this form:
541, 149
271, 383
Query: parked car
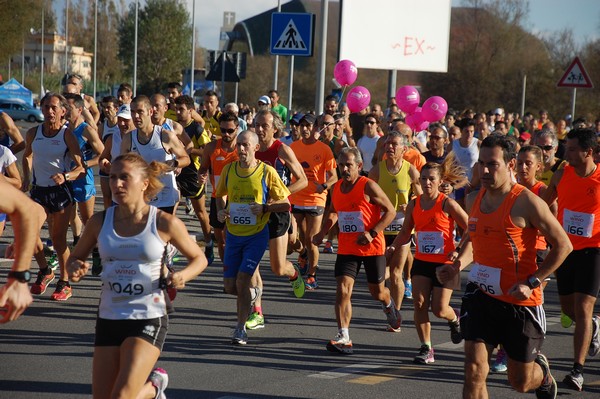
18, 110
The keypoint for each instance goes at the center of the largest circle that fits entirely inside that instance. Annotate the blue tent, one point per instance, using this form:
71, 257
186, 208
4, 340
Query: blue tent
14, 90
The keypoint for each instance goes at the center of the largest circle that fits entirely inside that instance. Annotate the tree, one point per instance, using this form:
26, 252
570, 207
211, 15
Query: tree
164, 44
16, 20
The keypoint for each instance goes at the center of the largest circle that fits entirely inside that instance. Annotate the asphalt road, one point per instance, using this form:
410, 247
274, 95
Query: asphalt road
47, 353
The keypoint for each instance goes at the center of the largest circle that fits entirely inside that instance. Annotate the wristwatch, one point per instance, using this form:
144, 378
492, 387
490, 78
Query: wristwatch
324, 186
21, 277
373, 233
533, 282
66, 176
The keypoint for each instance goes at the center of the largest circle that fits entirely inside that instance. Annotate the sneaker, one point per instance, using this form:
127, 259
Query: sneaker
455, 333
574, 380
303, 262
189, 209
394, 318
96, 264
311, 282
52, 261
255, 321
425, 355
565, 320
298, 284
548, 389
328, 248
209, 252
42, 282
595, 343
408, 290
62, 292
240, 337
339, 344
500, 364
159, 380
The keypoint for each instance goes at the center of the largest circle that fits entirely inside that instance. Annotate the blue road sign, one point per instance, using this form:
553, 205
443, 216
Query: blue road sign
292, 33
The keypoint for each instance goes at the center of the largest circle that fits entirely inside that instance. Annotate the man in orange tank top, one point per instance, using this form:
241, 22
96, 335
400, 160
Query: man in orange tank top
503, 300
577, 187
362, 211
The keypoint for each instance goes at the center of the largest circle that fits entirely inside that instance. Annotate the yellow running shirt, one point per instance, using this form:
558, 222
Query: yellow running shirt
244, 186
397, 188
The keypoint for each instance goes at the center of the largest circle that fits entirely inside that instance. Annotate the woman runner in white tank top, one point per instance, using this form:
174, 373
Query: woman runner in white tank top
132, 318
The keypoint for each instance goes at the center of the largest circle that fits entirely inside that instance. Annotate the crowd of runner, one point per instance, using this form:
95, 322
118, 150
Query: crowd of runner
516, 201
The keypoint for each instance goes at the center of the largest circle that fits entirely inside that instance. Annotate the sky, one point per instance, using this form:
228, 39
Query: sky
545, 16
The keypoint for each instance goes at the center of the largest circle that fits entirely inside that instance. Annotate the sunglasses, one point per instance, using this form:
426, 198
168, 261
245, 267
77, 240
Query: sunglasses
370, 122
546, 147
228, 131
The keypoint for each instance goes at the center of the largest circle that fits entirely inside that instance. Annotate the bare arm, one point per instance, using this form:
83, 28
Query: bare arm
175, 147
377, 197
551, 193
93, 110
292, 163
414, 174
93, 139
28, 158
8, 125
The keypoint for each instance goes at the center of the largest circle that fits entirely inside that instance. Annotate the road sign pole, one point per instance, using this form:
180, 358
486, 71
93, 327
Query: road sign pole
523, 91
291, 88
224, 54
573, 103
276, 72
392, 76
319, 100
237, 86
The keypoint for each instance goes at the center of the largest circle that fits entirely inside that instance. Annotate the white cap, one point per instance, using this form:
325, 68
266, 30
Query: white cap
498, 111
124, 112
265, 100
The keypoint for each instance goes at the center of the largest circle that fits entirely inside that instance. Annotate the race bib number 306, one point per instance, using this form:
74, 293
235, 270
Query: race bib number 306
487, 278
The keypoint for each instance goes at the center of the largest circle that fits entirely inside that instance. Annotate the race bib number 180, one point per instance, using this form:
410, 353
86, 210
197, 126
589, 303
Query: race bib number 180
351, 222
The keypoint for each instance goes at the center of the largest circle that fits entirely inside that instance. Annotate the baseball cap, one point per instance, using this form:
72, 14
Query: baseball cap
297, 117
524, 136
498, 111
264, 100
310, 118
124, 112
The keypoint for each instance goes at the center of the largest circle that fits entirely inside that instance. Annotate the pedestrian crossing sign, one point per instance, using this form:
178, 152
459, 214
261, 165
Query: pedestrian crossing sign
292, 33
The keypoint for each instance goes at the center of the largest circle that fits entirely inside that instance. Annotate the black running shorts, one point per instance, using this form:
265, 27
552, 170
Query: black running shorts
580, 273
115, 332
349, 265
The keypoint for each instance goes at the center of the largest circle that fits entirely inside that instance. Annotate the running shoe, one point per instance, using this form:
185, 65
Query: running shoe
189, 209
255, 321
63, 291
394, 318
328, 248
159, 380
339, 344
574, 380
240, 337
425, 355
500, 364
209, 252
42, 281
408, 289
303, 262
52, 261
455, 333
311, 282
548, 389
298, 284
565, 320
96, 263
595, 343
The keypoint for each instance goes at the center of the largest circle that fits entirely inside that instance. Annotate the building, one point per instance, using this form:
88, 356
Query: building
80, 61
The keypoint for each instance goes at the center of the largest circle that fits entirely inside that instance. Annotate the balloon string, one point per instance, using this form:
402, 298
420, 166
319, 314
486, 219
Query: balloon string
341, 99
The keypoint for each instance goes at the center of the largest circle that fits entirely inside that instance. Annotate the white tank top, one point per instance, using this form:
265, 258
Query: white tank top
466, 156
49, 156
109, 130
131, 274
168, 124
154, 151
367, 147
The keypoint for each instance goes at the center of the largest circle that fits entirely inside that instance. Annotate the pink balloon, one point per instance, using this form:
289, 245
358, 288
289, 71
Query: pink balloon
410, 121
345, 72
416, 120
408, 98
435, 108
358, 99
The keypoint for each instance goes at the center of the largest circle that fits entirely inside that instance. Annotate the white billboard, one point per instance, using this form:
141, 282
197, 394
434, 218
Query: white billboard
409, 35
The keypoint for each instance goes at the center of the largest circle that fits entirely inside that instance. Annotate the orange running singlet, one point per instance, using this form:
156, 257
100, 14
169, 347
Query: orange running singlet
433, 228
579, 207
503, 253
355, 216
218, 159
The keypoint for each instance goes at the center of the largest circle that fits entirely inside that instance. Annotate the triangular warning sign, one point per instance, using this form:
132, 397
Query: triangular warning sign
290, 38
575, 76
